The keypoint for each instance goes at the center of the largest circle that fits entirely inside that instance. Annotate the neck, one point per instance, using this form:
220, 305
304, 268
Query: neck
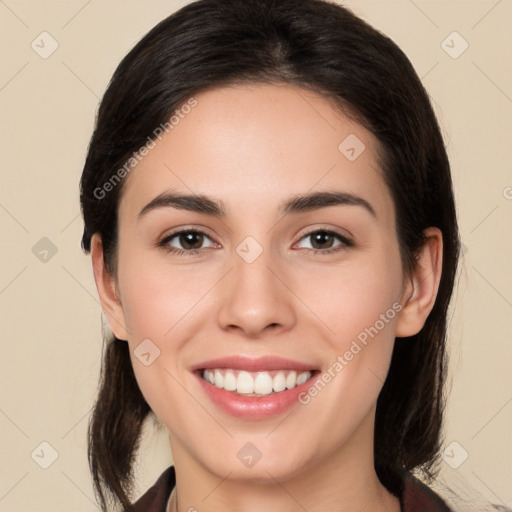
344, 481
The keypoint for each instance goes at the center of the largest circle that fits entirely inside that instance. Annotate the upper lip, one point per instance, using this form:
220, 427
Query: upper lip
251, 364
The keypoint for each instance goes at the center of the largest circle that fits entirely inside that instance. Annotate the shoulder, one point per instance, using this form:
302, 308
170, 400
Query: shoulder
417, 497
156, 497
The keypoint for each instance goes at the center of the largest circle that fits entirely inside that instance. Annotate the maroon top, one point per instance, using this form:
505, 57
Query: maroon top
416, 497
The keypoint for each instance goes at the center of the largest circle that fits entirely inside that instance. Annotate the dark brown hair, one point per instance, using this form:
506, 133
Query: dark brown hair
321, 46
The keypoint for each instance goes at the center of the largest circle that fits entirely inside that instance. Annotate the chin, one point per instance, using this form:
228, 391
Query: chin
266, 470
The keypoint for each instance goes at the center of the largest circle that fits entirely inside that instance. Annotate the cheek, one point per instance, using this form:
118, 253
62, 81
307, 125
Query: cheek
358, 307
356, 297
158, 297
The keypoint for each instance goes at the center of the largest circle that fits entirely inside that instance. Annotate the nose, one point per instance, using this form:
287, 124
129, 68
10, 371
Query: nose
255, 298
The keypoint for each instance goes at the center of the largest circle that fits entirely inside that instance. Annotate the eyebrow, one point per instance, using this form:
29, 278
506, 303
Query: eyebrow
296, 204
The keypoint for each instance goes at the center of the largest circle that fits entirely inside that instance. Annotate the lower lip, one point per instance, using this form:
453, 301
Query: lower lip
254, 407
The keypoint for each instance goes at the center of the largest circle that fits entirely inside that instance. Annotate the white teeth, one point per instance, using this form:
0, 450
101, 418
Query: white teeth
258, 383
229, 381
301, 378
291, 380
263, 384
244, 383
219, 379
279, 382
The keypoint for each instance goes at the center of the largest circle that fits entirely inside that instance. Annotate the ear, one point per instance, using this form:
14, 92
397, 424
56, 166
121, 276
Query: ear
420, 292
107, 290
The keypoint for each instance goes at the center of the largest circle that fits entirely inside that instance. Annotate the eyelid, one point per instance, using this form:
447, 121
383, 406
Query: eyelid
313, 228
195, 228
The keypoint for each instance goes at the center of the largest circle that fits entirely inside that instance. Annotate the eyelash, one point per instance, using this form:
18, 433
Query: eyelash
345, 242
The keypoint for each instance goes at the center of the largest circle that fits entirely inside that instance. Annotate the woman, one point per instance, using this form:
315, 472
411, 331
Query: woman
269, 209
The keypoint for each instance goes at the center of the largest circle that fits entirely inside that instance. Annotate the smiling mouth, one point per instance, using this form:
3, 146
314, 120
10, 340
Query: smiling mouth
259, 383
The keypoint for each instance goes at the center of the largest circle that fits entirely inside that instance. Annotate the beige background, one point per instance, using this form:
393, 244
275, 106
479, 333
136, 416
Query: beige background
50, 316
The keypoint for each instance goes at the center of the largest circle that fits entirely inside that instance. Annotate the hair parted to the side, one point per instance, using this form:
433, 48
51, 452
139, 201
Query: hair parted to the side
321, 46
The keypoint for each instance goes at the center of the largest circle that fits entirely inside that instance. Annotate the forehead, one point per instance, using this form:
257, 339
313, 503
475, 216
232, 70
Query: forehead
253, 145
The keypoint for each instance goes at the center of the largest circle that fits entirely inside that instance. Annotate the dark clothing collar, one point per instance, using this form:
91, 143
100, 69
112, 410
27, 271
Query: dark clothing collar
416, 496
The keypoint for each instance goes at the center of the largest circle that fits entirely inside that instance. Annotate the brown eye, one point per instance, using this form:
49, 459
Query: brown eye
191, 239
324, 241
188, 241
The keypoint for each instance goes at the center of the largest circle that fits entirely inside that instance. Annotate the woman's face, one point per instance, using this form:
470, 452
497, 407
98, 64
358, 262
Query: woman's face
247, 298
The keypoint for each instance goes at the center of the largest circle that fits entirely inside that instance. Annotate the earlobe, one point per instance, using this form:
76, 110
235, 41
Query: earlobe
107, 290
420, 293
